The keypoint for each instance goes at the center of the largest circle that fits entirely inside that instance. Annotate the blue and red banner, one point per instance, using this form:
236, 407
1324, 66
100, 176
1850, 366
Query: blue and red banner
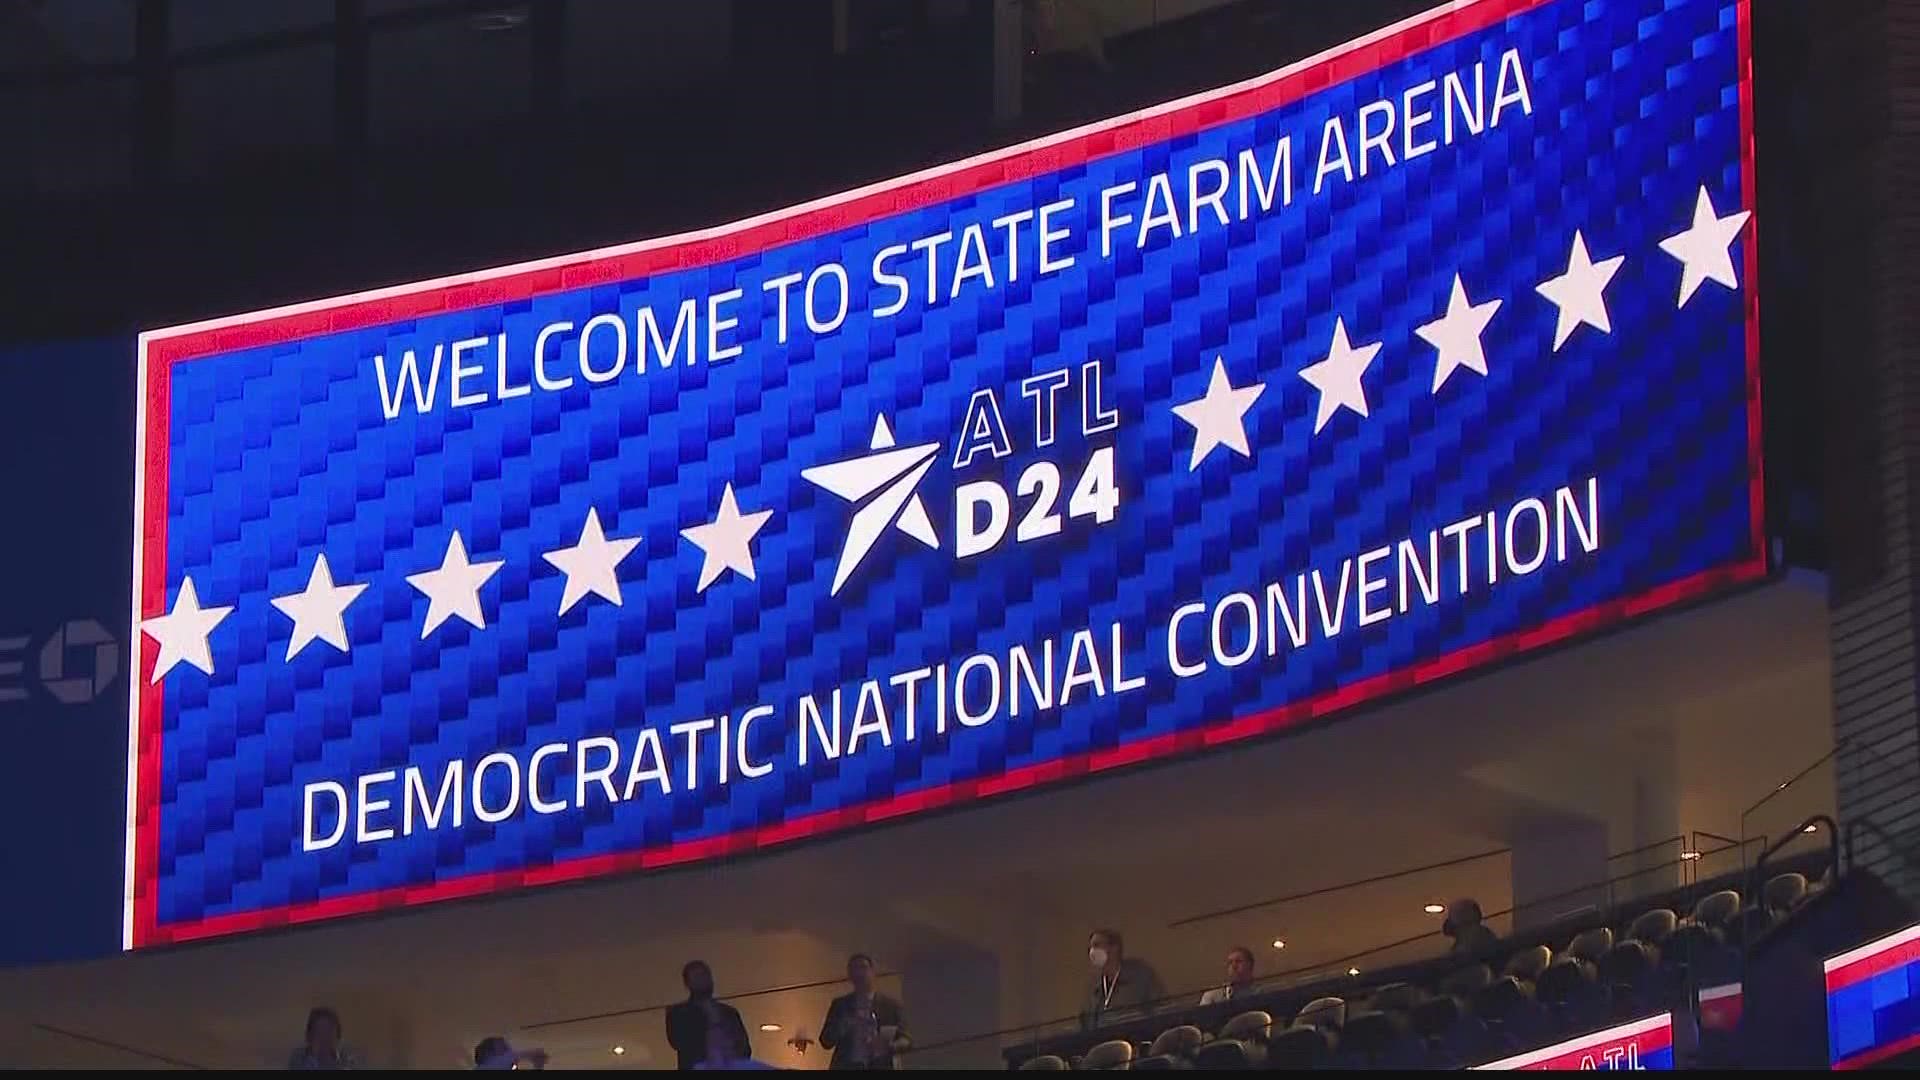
1642, 1044
1191, 426
1873, 1001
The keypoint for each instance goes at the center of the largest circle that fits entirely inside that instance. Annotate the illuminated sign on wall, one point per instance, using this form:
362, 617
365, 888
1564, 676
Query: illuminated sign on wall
1873, 1001
1190, 426
1643, 1044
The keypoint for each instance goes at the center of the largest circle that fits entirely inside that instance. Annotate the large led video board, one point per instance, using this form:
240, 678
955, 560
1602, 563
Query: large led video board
1873, 1011
1190, 426
1642, 1044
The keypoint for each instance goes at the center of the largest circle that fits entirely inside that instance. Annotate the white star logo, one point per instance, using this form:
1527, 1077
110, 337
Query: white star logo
1338, 376
726, 543
1702, 249
1457, 335
893, 473
1578, 293
454, 589
182, 632
318, 613
1219, 418
589, 564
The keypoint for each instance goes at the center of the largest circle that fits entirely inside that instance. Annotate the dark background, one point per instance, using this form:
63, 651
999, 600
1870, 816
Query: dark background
170, 160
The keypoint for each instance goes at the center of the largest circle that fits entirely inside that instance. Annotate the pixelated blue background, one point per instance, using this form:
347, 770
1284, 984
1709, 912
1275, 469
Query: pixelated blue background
282, 453
1873, 1012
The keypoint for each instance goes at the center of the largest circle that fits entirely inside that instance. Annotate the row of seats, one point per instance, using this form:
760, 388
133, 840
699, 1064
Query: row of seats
1533, 995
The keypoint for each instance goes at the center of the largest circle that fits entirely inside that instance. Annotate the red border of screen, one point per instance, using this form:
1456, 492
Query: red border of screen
161, 349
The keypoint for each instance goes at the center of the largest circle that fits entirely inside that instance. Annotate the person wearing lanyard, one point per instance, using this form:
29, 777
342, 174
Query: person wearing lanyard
1239, 978
1120, 984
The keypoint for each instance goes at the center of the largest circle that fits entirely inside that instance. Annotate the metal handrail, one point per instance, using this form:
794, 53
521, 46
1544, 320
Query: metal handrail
1833, 848
1255, 905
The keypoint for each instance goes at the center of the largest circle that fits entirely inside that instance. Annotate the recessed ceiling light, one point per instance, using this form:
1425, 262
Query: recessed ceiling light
769, 1027
1279, 944
619, 1050
1353, 971
1435, 909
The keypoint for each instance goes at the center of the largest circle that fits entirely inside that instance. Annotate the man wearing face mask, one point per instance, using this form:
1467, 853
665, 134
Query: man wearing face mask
1120, 984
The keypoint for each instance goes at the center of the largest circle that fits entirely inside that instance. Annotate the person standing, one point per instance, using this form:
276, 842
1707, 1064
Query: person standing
1239, 978
702, 1030
864, 1028
322, 1048
1120, 984
1471, 936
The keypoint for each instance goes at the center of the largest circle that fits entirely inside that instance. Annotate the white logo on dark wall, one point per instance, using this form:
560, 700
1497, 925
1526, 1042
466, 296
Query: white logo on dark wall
75, 664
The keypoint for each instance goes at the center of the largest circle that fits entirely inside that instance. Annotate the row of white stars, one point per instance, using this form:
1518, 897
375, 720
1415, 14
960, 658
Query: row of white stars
453, 589
1579, 295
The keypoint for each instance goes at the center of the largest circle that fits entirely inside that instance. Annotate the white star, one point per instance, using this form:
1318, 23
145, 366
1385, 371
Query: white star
726, 542
182, 632
1577, 293
318, 613
1702, 249
454, 589
1457, 335
589, 564
1338, 376
1219, 418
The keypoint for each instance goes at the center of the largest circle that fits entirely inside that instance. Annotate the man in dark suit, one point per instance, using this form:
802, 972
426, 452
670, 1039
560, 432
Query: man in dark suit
704, 1031
865, 1028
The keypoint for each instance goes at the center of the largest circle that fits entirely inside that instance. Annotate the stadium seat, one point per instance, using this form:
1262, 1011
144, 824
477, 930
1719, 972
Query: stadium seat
1716, 909
1570, 990
1225, 1054
1254, 1026
1327, 1014
1367, 1032
1377, 1039
1109, 1055
1783, 892
1743, 928
1563, 981
1173, 1049
1508, 1003
1434, 1016
1299, 1047
1652, 927
1527, 964
1590, 945
1467, 981
1499, 997
1044, 1063
1693, 947
1242, 1043
1629, 963
1178, 1041
1397, 997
